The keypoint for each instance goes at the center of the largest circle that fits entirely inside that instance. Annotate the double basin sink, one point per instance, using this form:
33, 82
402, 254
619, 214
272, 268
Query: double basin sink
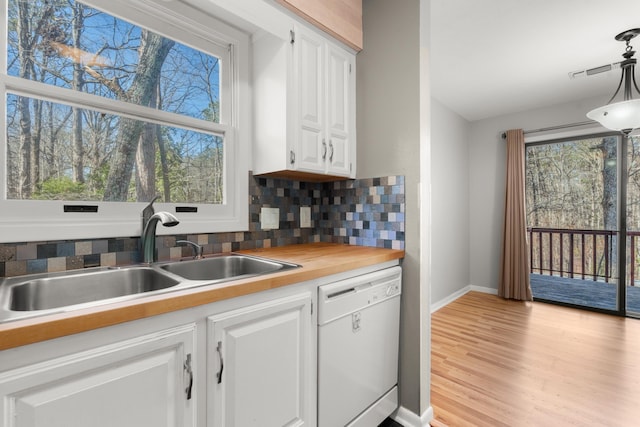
39, 294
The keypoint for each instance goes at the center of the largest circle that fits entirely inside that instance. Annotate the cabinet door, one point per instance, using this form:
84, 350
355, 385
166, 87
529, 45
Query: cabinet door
339, 108
309, 69
261, 365
137, 383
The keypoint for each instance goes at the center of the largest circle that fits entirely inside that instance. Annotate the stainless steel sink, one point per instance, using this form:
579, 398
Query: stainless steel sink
226, 267
44, 293
47, 293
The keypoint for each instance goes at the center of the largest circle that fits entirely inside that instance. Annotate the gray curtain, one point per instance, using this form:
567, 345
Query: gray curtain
514, 271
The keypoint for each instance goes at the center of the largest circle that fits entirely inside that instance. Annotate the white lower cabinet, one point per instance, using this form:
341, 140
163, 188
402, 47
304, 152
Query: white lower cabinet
252, 359
261, 368
135, 383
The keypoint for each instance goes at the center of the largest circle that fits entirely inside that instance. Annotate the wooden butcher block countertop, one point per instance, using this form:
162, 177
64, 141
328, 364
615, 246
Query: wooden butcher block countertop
317, 260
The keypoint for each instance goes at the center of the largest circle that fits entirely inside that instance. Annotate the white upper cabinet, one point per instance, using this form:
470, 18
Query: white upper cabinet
340, 113
309, 78
304, 106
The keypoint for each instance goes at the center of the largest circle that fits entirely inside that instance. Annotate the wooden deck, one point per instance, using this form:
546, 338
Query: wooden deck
499, 363
586, 293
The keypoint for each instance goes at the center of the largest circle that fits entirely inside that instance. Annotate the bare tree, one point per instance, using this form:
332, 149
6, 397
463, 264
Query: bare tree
56, 150
609, 151
25, 47
152, 53
146, 156
78, 84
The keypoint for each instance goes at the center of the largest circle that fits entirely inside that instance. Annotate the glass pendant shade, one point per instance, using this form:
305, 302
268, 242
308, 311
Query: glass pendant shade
622, 116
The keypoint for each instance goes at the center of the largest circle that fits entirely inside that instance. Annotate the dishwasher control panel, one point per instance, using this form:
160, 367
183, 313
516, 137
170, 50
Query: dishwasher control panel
346, 296
383, 292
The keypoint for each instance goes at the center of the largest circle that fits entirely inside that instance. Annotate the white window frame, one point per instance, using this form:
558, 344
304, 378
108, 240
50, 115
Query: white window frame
33, 220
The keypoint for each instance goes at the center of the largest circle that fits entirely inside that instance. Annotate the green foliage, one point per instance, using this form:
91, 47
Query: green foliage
212, 112
62, 188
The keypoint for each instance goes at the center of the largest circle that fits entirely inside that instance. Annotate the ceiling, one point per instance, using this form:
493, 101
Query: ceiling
494, 57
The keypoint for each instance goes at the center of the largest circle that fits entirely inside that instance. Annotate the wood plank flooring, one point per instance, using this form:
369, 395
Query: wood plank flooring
507, 363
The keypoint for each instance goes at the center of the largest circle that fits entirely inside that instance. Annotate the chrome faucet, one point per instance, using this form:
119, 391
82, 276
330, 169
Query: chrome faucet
147, 212
197, 249
148, 238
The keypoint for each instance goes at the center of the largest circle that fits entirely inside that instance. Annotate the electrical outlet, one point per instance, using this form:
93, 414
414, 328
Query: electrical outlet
305, 216
269, 218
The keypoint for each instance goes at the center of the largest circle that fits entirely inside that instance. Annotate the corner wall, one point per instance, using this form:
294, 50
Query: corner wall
450, 139
389, 143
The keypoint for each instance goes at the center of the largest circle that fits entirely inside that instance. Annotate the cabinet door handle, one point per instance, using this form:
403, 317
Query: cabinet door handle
331, 152
219, 350
187, 368
324, 149
292, 157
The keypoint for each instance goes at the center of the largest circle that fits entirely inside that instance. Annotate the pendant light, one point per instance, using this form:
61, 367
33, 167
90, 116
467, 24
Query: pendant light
624, 115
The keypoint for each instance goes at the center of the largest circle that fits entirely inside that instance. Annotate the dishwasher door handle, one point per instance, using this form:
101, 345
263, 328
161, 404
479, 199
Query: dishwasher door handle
351, 290
341, 293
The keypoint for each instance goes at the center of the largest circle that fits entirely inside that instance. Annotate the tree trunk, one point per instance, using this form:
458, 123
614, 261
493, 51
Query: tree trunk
610, 194
219, 173
50, 149
24, 49
610, 182
146, 157
78, 84
152, 53
166, 184
535, 188
36, 138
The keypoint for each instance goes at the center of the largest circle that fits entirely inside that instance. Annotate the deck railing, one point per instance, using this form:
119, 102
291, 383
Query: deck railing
585, 254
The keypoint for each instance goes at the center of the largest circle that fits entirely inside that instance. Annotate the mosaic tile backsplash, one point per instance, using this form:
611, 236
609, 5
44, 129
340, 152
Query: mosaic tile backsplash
364, 212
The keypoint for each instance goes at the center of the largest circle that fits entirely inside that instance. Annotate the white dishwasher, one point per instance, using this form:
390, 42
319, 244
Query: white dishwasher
358, 335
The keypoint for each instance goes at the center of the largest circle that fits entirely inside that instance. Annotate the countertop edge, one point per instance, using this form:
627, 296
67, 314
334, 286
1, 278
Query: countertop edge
317, 260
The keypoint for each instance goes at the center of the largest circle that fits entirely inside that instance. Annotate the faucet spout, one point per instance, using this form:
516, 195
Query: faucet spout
197, 249
148, 237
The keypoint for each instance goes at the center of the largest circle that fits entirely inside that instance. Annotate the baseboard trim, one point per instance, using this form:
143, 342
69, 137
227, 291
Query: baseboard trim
449, 299
483, 289
410, 419
454, 296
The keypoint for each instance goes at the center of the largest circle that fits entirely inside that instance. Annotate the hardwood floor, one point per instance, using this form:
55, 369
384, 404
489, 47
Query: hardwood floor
507, 363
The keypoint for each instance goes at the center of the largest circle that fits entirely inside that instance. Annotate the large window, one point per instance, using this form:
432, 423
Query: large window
110, 103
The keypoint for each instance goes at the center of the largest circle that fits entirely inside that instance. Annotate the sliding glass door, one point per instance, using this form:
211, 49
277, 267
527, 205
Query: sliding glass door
574, 200
632, 291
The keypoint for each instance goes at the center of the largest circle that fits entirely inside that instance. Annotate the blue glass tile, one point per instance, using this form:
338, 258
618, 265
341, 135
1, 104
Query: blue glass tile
100, 246
66, 249
37, 266
369, 242
47, 250
92, 260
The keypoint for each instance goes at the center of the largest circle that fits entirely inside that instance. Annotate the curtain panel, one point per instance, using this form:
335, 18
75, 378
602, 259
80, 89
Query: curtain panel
514, 271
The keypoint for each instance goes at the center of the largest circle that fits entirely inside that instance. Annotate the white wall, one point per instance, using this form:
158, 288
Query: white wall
450, 138
487, 154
